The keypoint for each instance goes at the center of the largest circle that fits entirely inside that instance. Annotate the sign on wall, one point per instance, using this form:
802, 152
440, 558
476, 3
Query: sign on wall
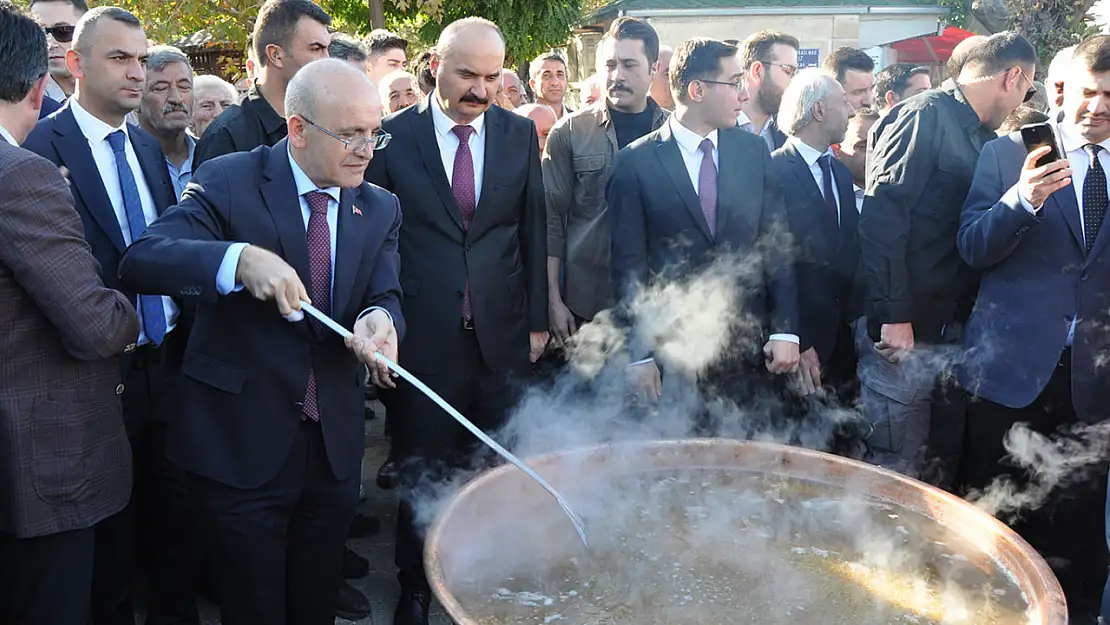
809, 57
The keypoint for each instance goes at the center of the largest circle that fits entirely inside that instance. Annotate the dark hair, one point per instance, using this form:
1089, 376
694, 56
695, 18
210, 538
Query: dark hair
1095, 54
380, 41
345, 47
424, 74
534, 66
277, 23
23, 57
635, 28
999, 53
757, 47
961, 53
1021, 116
844, 59
81, 6
868, 113
697, 59
86, 26
896, 78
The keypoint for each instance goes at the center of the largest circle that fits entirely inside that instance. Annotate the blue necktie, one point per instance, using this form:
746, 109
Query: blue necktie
154, 316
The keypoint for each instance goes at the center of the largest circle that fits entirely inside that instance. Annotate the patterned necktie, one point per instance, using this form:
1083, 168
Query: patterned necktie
462, 186
1094, 196
707, 185
319, 266
154, 315
832, 214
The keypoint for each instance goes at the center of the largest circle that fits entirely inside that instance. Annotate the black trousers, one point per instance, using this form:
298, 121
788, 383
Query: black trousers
1069, 529
432, 446
46, 580
277, 550
160, 521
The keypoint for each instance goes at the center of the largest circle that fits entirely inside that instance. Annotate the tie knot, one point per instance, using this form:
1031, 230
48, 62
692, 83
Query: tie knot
1093, 149
463, 132
317, 202
706, 146
116, 140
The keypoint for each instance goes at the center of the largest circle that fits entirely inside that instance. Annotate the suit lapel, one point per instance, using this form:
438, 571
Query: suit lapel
426, 142
494, 167
348, 247
849, 216
804, 176
1068, 206
280, 194
72, 145
153, 163
729, 192
670, 156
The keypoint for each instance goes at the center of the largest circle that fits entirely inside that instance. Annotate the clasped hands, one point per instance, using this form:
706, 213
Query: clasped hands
268, 277
781, 357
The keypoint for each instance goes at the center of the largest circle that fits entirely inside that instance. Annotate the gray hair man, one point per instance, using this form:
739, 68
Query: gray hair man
513, 87
212, 96
544, 118
549, 81
346, 48
398, 90
814, 113
166, 110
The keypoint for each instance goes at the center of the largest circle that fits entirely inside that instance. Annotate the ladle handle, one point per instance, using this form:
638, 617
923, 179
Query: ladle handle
449, 409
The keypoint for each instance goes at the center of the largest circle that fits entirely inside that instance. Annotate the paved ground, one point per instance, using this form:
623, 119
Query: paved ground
381, 584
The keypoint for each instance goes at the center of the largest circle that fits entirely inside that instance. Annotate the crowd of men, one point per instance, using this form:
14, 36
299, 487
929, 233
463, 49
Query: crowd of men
167, 406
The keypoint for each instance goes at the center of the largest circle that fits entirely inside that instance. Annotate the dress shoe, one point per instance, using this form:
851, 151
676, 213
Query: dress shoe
351, 604
387, 478
354, 565
363, 526
412, 608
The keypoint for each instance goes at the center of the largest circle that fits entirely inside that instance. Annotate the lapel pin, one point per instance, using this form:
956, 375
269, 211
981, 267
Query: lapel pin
356, 210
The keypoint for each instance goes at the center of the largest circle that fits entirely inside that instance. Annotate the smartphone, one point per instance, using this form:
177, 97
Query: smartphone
1039, 135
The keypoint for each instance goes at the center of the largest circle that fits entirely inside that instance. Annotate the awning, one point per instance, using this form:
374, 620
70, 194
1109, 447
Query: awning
932, 49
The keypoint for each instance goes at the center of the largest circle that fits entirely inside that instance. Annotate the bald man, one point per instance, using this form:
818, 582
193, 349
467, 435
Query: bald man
398, 90
661, 81
544, 118
272, 426
959, 56
474, 249
1054, 83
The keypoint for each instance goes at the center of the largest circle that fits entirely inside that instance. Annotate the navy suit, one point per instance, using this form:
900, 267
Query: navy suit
1036, 277
49, 106
279, 491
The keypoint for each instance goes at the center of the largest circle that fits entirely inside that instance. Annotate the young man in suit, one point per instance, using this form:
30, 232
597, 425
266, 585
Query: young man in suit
64, 460
280, 504
770, 60
473, 244
120, 184
665, 189
1037, 333
824, 223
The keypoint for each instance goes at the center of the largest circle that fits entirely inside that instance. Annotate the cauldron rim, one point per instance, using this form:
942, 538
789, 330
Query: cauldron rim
1050, 600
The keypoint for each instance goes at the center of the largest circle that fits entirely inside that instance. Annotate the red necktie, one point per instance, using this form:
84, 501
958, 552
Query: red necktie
462, 186
319, 264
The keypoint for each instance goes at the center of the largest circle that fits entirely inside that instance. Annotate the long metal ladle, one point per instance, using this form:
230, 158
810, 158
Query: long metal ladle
579, 526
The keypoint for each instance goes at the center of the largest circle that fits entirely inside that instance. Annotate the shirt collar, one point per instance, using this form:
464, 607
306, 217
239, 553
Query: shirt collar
54, 90
94, 129
859, 192
271, 121
688, 139
808, 154
1072, 141
8, 136
305, 184
444, 124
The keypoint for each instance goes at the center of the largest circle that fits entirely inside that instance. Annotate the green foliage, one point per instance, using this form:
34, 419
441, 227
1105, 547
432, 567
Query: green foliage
959, 12
1051, 25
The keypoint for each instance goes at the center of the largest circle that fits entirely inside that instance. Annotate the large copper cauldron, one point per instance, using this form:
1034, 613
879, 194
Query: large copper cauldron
504, 507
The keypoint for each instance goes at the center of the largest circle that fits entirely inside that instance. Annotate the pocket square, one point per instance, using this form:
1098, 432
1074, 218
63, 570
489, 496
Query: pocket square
356, 210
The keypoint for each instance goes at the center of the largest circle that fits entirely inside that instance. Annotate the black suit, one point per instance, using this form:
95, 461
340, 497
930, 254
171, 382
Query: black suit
148, 392
503, 254
280, 491
825, 261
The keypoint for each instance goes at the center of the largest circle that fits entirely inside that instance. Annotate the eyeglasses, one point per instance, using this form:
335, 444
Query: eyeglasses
1032, 87
357, 143
61, 34
738, 85
789, 70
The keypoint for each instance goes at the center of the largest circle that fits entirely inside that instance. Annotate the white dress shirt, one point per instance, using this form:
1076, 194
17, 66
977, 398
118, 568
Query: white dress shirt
8, 136
54, 91
811, 156
96, 133
449, 144
744, 122
860, 193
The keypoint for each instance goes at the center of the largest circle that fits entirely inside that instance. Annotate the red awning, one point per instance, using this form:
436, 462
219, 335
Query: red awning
931, 49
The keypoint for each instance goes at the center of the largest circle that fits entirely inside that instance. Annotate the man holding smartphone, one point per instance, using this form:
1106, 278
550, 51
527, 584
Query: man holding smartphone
1038, 328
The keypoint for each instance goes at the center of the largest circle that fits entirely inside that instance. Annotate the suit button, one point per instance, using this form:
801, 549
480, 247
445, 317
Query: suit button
459, 293
130, 349
467, 249
1067, 318
119, 389
1083, 278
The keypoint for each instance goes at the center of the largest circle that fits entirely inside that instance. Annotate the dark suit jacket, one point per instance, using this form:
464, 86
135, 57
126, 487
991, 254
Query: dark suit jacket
49, 106
58, 139
245, 367
504, 254
659, 230
825, 261
1036, 277
64, 459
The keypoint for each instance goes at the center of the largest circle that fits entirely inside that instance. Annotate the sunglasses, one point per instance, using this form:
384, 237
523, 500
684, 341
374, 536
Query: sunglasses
61, 34
1032, 87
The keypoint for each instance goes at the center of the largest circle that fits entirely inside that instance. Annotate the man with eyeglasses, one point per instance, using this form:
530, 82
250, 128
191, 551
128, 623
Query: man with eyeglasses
770, 60
59, 18
919, 291
272, 425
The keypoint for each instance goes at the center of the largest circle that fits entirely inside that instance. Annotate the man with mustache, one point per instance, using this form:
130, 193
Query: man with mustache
549, 81
59, 17
770, 60
473, 271
120, 185
1037, 335
576, 165
167, 111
